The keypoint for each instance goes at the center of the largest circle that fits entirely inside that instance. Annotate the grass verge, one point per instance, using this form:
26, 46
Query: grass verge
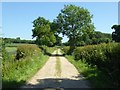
58, 66
18, 72
97, 78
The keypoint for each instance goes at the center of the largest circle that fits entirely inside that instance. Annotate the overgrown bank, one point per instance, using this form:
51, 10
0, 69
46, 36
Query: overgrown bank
16, 69
97, 78
99, 63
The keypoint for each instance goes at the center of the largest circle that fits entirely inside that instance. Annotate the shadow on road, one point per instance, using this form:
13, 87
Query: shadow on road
49, 54
59, 84
54, 55
48, 84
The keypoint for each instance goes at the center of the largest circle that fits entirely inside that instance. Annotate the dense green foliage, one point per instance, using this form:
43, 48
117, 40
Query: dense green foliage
95, 38
74, 22
98, 63
16, 72
27, 50
96, 77
65, 49
47, 50
116, 33
54, 28
43, 33
104, 56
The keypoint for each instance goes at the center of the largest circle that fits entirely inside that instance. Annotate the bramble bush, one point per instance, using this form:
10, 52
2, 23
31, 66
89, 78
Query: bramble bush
105, 57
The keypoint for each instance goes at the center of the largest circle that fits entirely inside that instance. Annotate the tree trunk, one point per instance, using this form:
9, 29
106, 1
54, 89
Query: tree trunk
72, 46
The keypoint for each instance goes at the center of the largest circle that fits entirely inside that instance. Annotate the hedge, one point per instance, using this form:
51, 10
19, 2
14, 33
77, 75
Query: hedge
65, 49
105, 57
16, 72
27, 50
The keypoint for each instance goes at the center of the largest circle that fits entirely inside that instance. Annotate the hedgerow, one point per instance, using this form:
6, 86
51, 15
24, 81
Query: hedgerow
47, 50
105, 57
17, 72
65, 49
27, 50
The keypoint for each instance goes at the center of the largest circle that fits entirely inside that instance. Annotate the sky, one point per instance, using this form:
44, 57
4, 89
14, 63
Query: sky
17, 17
119, 12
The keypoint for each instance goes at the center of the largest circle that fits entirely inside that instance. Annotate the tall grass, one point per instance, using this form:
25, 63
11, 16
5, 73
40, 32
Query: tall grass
97, 78
16, 72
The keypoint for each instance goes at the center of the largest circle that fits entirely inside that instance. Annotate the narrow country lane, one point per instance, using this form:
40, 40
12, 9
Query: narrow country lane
48, 76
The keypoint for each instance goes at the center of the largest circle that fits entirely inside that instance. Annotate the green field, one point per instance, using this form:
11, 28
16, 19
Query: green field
13, 44
11, 49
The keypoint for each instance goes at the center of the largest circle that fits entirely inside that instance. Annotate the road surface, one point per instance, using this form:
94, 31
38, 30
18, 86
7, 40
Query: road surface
47, 77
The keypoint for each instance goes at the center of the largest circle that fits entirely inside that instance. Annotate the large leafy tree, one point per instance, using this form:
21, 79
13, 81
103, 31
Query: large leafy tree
54, 28
74, 22
42, 32
116, 33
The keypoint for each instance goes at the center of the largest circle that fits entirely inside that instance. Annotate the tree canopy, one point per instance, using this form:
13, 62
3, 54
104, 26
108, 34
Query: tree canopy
42, 32
116, 33
74, 22
96, 38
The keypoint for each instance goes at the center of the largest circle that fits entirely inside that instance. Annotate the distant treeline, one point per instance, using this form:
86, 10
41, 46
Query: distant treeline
96, 38
17, 40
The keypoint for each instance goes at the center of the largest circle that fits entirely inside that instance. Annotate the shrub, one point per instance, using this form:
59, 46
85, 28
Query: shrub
65, 49
104, 56
14, 72
27, 50
48, 50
